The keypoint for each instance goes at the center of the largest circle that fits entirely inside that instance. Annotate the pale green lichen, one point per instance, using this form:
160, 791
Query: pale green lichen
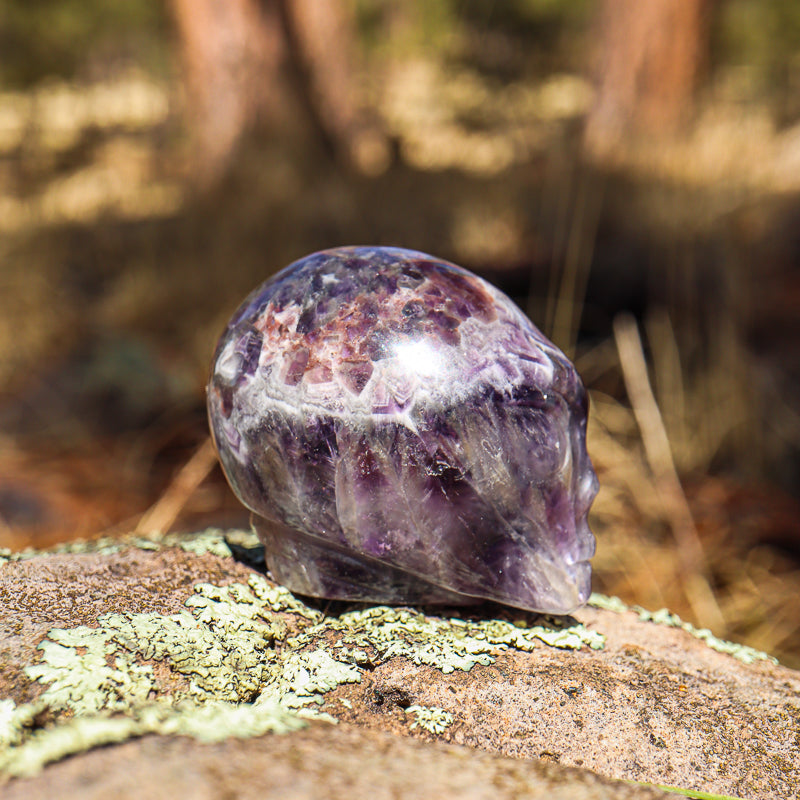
222, 646
8, 726
435, 720
206, 543
573, 637
85, 683
211, 540
212, 722
14, 720
608, 603
302, 678
390, 632
215, 722
446, 644
742, 652
279, 598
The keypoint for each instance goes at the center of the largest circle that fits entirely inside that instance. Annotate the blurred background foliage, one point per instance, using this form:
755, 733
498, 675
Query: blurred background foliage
760, 39
64, 38
70, 39
636, 192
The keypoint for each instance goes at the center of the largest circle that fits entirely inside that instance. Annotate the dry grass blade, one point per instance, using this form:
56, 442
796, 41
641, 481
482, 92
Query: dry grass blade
695, 570
161, 516
577, 262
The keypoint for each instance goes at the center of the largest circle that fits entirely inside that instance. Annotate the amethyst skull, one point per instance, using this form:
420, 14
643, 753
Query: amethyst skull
404, 434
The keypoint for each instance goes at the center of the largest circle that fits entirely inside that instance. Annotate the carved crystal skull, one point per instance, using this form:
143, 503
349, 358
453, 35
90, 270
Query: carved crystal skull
404, 434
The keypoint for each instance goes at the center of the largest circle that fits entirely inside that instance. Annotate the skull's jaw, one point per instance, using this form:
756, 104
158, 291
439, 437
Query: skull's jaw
311, 566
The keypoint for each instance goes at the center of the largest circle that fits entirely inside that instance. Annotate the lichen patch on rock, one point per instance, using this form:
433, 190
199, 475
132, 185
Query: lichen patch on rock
434, 720
229, 660
745, 654
108, 641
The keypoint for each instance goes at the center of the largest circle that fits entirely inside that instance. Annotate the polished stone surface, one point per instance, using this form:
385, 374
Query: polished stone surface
404, 434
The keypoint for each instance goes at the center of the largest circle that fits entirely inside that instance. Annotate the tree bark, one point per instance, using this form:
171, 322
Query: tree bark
231, 51
243, 59
651, 56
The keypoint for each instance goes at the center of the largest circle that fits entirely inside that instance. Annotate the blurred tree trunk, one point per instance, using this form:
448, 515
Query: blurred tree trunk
651, 54
231, 51
246, 61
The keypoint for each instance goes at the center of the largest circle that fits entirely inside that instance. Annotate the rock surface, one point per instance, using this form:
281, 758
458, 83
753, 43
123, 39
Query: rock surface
656, 704
356, 763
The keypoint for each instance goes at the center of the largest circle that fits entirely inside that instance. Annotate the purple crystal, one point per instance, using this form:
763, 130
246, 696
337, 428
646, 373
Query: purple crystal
404, 434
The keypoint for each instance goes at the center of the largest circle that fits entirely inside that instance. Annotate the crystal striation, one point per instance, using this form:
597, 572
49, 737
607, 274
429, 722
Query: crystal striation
404, 434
